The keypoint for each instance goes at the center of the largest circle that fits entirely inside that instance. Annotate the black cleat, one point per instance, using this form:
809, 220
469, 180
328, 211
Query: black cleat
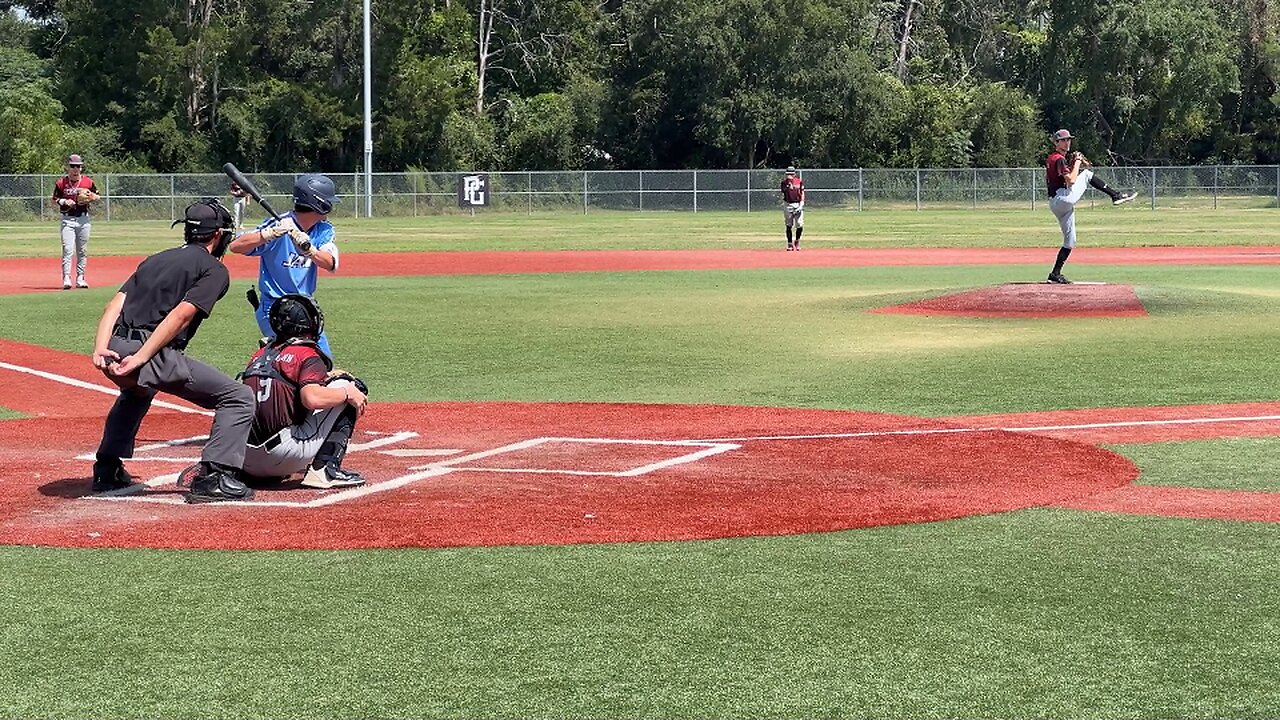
217, 486
110, 475
1123, 198
1059, 279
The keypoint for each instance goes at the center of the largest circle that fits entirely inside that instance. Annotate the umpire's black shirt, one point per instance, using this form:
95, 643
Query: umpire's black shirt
167, 278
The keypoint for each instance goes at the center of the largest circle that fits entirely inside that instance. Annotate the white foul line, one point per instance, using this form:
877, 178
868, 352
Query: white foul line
1029, 429
107, 390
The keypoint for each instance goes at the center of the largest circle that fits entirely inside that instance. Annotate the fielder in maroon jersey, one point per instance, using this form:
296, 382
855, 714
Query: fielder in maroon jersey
793, 207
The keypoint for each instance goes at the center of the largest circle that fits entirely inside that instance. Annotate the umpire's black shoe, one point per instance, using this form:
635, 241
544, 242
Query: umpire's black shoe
217, 486
110, 475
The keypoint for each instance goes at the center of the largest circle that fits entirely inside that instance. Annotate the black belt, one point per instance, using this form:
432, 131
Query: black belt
130, 333
272, 442
141, 335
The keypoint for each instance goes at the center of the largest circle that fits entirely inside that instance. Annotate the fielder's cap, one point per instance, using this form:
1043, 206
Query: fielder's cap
1063, 134
791, 169
206, 215
75, 160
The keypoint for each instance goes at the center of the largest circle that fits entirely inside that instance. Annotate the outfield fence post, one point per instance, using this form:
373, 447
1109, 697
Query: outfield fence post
1215, 187
860, 185
173, 201
1033, 189
529, 190
748, 189
641, 191
975, 188
695, 191
106, 190
584, 192
44, 197
1278, 186
1153, 187
917, 189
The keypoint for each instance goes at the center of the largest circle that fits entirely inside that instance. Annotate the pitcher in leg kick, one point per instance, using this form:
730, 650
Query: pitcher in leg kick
1066, 177
292, 248
793, 207
140, 346
306, 411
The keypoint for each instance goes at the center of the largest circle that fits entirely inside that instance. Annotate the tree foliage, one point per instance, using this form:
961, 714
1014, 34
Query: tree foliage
543, 84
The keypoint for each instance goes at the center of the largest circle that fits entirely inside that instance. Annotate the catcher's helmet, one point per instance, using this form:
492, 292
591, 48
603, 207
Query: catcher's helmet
315, 192
296, 316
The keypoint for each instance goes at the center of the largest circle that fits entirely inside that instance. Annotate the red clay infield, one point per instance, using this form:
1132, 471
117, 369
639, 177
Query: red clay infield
451, 474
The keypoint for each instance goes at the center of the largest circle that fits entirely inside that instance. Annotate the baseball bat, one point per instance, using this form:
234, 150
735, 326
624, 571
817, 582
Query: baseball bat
238, 178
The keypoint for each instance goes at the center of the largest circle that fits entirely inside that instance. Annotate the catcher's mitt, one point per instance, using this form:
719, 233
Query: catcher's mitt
84, 196
340, 374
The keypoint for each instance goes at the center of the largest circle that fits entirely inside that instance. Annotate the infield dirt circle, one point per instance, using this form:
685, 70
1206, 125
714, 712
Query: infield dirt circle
452, 474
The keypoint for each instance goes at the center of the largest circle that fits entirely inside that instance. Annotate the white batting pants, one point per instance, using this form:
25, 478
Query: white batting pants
1063, 205
75, 240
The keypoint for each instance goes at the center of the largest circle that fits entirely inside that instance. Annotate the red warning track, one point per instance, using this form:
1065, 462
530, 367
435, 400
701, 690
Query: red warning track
25, 275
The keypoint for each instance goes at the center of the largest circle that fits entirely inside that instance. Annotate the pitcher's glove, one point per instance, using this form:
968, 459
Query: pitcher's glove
340, 374
84, 196
237, 191
1079, 156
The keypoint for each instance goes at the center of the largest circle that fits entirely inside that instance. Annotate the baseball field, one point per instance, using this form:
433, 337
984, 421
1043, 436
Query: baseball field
653, 466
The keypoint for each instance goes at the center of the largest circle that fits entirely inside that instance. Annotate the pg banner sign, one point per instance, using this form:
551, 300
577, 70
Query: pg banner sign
473, 191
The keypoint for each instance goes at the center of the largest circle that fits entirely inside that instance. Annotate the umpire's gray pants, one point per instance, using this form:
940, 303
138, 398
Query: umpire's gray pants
172, 372
75, 239
1063, 205
297, 445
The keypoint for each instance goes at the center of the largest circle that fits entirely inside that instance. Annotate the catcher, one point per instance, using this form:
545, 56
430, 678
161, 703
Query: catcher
72, 196
306, 410
1066, 177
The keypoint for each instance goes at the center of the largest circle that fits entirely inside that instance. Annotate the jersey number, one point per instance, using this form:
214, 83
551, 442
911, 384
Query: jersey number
264, 390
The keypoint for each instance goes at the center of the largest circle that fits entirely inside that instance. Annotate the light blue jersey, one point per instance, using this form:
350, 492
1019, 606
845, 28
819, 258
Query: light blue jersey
283, 270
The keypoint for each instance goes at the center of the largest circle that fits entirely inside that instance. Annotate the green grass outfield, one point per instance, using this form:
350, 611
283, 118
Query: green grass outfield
1037, 613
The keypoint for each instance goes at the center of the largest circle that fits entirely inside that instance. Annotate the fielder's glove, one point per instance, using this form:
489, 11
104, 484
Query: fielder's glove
237, 191
280, 229
340, 374
84, 196
1079, 156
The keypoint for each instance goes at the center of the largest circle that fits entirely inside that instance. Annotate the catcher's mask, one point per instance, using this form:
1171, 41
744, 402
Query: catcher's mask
296, 316
316, 193
202, 219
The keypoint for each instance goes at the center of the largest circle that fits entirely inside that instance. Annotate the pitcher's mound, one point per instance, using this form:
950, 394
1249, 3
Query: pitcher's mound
1040, 300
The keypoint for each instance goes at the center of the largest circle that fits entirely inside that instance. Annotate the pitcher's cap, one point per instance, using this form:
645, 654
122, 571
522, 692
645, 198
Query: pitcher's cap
791, 169
75, 160
1062, 135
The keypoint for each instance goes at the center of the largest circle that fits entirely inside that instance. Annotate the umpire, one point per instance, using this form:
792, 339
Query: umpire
140, 347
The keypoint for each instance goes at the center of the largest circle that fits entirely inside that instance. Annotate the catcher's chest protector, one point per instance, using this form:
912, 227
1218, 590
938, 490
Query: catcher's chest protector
264, 366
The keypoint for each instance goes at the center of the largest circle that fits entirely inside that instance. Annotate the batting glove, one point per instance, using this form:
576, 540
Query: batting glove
280, 229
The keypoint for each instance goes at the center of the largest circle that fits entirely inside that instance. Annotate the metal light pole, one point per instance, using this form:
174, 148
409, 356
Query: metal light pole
368, 117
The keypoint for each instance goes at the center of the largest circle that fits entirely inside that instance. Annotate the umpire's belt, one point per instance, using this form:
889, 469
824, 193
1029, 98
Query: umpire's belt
141, 335
131, 333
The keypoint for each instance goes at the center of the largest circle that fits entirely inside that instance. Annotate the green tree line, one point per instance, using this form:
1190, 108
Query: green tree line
276, 85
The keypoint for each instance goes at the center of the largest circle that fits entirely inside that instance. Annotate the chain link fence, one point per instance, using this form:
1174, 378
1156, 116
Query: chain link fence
163, 197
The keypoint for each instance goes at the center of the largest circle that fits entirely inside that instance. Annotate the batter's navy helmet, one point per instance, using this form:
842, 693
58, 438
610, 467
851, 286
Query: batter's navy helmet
315, 192
296, 316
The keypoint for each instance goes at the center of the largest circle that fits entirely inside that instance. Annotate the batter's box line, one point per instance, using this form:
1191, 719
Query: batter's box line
708, 449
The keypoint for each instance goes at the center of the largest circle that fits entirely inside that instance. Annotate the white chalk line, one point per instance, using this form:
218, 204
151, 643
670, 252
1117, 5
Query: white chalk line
1026, 429
105, 389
